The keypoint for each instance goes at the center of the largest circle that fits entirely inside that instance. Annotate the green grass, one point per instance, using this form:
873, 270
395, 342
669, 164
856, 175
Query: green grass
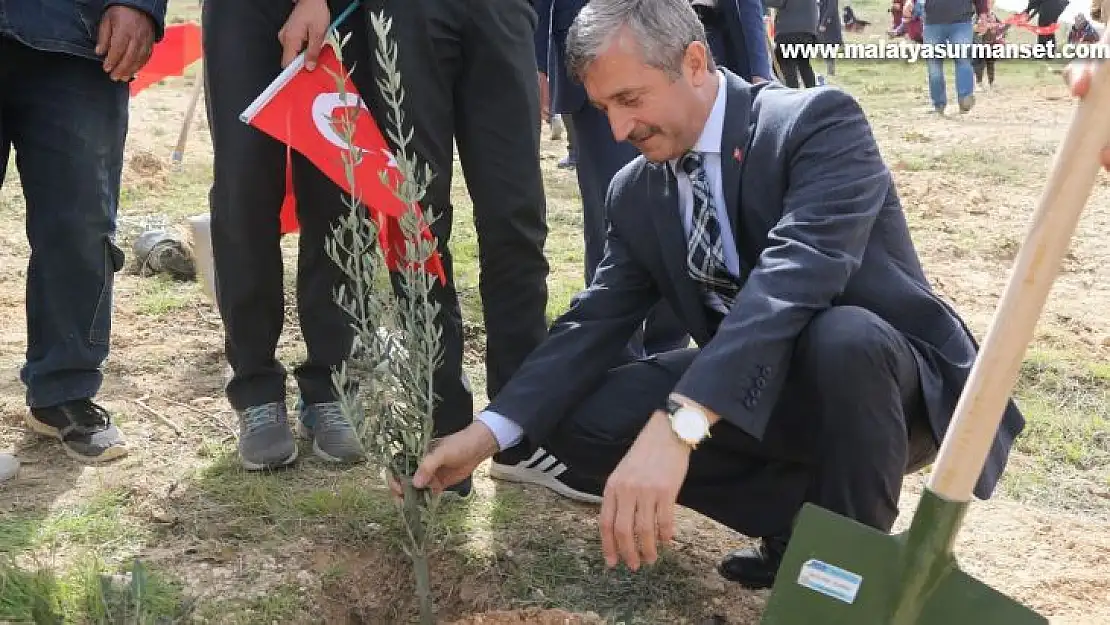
91, 592
1066, 445
161, 295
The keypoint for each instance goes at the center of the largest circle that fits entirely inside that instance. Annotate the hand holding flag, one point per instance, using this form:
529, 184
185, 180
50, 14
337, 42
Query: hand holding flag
302, 108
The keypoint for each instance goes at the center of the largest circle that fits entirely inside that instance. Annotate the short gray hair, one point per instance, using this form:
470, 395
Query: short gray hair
663, 29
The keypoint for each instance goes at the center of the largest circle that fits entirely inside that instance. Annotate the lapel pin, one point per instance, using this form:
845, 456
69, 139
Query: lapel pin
737, 154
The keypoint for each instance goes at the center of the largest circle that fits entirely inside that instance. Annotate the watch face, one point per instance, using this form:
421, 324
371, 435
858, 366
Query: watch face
689, 425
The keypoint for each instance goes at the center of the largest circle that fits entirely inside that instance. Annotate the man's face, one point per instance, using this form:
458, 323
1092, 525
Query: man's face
657, 114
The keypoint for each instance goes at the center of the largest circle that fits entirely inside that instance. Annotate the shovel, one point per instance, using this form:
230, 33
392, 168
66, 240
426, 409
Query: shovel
837, 571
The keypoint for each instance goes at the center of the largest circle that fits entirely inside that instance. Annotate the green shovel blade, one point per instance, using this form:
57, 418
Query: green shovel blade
837, 571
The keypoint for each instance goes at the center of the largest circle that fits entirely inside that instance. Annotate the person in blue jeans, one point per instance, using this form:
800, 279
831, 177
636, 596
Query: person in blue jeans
950, 22
64, 69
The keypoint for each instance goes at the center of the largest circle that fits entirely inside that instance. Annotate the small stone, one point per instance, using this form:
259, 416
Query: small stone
9, 467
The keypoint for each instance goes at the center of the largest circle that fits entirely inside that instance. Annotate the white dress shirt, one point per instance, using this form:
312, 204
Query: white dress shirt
709, 145
509, 433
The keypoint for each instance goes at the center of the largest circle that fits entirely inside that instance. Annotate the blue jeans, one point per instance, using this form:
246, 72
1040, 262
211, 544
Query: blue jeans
67, 122
958, 33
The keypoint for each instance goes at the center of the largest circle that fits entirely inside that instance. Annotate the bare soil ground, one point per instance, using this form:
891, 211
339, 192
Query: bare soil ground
313, 544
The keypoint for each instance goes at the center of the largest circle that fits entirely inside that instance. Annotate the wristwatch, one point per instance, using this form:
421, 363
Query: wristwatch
688, 423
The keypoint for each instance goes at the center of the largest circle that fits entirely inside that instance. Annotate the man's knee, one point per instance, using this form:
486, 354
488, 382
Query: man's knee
846, 339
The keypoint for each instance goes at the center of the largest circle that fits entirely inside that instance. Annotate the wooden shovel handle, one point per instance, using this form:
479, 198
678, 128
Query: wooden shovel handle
994, 373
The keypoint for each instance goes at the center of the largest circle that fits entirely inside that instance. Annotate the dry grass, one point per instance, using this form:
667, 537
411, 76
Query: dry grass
313, 544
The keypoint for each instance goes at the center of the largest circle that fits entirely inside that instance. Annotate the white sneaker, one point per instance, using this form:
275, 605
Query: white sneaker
544, 469
9, 467
557, 127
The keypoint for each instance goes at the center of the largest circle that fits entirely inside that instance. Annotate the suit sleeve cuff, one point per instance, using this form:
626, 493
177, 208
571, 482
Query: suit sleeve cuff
504, 430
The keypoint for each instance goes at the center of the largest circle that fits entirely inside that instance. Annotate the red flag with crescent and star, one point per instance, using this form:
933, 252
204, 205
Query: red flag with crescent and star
300, 108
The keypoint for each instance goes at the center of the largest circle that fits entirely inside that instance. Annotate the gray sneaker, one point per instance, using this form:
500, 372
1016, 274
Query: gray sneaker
265, 440
333, 438
9, 467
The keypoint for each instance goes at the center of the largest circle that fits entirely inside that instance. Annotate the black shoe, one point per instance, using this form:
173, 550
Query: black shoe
462, 490
754, 567
544, 469
85, 429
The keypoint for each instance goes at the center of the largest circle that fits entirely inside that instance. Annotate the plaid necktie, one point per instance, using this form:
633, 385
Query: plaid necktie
705, 255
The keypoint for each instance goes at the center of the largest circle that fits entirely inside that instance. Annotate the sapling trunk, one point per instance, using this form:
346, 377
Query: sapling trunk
385, 386
415, 507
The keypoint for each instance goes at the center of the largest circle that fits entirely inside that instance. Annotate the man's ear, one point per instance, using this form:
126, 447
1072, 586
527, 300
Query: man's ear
696, 61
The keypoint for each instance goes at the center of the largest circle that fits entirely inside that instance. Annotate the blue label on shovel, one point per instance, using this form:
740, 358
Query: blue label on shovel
830, 580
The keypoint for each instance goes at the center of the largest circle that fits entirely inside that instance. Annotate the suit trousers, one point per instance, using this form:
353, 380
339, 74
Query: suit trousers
850, 423
599, 158
469, 72
242, 56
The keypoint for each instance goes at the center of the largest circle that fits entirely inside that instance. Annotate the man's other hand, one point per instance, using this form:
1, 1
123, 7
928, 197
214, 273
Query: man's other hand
452, 459
1078, 76
125, 39
637, 507
305, 31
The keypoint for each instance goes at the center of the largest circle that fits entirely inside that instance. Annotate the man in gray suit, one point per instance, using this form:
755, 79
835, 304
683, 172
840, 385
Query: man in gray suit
826, 369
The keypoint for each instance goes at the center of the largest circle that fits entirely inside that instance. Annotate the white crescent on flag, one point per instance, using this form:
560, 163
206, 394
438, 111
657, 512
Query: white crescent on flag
323, 106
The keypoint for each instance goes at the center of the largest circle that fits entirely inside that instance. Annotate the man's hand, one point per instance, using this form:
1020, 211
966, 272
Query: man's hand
125, 39
1078, 76
637, 507
452, 459
308, 24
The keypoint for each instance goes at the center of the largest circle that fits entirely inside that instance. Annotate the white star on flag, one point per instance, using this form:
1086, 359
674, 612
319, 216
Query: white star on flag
391, 161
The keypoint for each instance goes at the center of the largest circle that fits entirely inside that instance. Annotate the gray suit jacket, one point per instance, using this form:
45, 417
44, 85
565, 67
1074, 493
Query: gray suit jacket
817, 222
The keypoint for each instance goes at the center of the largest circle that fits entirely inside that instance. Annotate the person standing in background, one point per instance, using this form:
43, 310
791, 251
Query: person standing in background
737, 36
598, 157
950, 22
246, 44
470, 79
795, 23
64, 69
829, 29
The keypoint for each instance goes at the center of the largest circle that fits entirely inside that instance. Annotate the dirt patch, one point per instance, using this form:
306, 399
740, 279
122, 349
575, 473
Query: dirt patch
532, 616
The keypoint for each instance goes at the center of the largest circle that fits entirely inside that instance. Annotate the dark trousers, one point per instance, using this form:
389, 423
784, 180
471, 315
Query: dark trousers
850, 423
242, 56
599, 158
469, 74
979, 65
797, 65
568, 123
67, 121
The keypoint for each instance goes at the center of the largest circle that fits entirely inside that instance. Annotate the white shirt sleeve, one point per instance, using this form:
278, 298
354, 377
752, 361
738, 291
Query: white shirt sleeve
504, 430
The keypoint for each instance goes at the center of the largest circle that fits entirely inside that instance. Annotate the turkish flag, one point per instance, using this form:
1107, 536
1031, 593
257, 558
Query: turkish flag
179, 48
301, 108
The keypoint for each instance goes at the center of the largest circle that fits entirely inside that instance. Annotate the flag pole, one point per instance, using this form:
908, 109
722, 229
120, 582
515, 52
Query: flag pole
286, 74
179, 150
